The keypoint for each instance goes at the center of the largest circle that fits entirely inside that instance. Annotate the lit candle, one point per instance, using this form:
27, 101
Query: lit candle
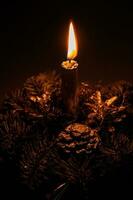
69, 73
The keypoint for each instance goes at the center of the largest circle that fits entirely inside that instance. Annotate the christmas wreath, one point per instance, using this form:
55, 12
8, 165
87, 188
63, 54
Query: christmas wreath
54, 151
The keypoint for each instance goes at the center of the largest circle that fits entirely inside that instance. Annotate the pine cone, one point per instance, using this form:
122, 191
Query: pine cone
122, 89
44, 93
43, 87
78, 138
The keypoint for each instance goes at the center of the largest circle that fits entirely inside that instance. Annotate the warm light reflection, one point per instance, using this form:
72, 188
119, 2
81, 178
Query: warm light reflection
72, 44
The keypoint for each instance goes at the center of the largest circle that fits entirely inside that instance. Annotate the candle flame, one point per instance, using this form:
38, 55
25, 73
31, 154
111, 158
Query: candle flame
72, 43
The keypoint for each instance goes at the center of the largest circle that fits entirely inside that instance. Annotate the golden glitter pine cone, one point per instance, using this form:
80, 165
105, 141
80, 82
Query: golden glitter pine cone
78, 138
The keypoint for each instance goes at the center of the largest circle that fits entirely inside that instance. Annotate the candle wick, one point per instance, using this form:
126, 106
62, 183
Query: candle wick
69, 60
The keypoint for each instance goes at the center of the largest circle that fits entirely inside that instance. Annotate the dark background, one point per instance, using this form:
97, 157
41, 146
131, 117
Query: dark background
33, 39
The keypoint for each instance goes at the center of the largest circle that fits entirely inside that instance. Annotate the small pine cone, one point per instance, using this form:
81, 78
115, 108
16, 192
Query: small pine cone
78, 138
122, 89
43, 87
44, 93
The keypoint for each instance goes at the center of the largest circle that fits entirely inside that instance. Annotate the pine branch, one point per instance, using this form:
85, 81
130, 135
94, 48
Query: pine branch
12, 131
34, 161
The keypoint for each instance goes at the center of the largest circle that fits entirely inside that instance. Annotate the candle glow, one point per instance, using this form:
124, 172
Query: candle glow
72, 43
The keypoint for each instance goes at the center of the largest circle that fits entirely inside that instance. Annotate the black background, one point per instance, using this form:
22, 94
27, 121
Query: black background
33, 39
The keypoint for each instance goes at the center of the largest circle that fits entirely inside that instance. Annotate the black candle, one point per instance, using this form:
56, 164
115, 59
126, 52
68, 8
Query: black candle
70, 74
